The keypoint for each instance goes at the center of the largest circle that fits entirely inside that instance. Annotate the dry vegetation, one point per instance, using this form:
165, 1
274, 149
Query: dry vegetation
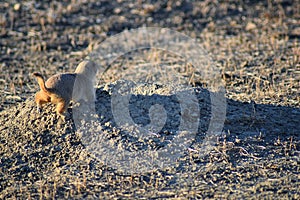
254, 44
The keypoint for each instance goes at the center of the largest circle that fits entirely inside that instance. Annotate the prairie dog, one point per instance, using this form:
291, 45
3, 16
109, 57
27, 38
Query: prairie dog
60, 89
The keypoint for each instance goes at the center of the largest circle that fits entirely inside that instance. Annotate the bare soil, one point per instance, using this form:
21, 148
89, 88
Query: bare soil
254, 44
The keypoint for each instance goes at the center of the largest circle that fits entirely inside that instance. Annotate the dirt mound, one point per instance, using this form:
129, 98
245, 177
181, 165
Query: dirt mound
43, 156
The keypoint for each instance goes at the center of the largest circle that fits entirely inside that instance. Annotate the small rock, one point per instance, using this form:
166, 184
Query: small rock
17, 6
250, 26
117, 10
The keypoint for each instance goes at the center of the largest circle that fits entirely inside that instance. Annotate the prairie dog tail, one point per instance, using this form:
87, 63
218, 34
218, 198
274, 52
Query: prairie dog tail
41, 81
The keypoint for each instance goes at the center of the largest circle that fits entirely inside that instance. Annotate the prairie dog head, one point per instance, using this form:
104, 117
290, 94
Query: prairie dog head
87, 68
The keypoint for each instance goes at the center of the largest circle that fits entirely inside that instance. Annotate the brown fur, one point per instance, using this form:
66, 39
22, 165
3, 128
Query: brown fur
60, 89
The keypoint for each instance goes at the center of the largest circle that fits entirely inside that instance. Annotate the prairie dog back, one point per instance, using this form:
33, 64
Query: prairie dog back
61, 84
